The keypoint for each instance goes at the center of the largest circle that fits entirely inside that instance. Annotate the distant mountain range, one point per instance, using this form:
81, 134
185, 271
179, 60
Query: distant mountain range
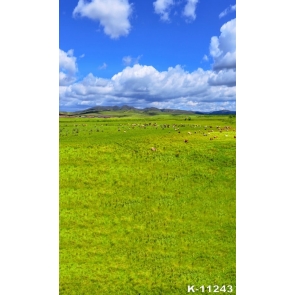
151, 111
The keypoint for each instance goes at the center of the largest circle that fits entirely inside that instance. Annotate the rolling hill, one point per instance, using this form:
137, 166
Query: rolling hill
103, 110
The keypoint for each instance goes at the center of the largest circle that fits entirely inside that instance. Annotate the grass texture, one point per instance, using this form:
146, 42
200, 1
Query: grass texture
139, 221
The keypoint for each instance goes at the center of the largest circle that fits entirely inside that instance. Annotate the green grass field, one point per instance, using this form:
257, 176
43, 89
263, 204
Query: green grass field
139, 221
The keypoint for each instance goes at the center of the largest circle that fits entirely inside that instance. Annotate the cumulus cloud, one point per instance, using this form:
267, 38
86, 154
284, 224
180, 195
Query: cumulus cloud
142, 85
67, 67
113, 15
223, 77
162, 7
229, 9
190, 9
223, 48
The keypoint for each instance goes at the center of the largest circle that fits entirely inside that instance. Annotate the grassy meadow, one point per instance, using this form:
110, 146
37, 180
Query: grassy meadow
147, 204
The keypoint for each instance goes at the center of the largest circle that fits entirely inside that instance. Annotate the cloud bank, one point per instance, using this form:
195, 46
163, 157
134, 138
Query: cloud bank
142, 85
113, 15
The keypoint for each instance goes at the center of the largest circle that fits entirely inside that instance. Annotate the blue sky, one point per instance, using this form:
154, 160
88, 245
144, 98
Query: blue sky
160, 53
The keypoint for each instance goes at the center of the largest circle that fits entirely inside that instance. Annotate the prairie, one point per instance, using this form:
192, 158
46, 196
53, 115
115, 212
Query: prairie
147, 204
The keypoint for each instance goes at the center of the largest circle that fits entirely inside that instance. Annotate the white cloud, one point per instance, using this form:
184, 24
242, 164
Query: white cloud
67, 61
223, 48
227, 61
162, 7
190, 9
214, 47
229, 9
67, 67
128, 60
103, 66
223, 77
142, 86
113, 15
